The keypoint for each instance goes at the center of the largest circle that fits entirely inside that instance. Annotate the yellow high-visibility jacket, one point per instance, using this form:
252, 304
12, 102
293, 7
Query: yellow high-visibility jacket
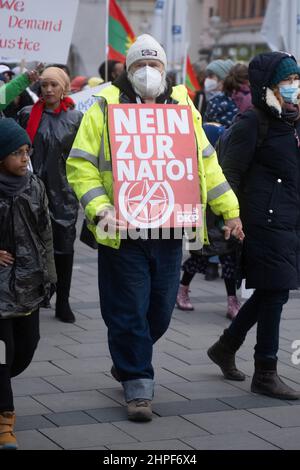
89, 167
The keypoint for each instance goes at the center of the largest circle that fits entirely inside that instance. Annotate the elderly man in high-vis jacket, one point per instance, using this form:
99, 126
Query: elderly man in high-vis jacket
139, 279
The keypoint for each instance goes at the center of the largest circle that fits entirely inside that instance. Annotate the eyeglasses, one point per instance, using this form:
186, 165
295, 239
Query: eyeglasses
22, 153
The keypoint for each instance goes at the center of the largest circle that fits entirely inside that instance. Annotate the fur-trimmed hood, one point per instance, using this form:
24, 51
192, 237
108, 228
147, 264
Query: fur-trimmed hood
261, 71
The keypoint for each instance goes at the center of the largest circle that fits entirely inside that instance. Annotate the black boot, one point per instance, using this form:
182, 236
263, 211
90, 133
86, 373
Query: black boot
64, 267
266, 381
222, 353
212, 272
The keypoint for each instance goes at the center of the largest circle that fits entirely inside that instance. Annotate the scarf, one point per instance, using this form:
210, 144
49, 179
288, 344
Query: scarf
37, 112
11, 185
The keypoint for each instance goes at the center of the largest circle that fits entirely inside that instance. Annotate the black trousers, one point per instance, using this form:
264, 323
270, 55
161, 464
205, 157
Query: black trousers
19, 338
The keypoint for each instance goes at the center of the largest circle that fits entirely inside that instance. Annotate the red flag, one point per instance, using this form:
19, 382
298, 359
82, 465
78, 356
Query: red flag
191, 81
120, 34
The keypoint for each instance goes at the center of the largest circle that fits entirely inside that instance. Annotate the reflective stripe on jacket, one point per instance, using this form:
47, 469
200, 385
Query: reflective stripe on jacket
89, 166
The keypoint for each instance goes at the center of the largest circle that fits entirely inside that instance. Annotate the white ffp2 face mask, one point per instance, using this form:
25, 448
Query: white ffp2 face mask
210, 84
148, 82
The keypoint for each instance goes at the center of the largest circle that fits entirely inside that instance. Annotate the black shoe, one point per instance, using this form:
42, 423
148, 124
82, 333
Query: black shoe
267, 382
225, 359
212, 272
63, 312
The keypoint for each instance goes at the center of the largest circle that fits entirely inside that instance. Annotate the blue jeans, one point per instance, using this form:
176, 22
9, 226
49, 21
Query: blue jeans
138, 285
263, 308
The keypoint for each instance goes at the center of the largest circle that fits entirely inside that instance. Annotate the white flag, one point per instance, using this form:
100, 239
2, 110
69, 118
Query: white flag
169, 29
281, 27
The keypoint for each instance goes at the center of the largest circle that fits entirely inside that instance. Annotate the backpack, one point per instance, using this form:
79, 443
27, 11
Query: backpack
224, 141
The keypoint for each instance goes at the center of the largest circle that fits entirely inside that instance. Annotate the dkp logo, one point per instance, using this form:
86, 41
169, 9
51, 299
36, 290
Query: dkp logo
2, 353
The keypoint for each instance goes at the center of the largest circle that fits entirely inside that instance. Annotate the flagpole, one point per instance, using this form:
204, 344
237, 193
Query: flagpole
106, 40
185, 64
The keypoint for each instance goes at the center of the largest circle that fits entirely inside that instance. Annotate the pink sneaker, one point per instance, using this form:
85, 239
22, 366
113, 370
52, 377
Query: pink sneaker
233, 307
183, 300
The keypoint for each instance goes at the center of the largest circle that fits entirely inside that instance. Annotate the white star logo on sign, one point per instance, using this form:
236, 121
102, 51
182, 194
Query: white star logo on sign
146, 206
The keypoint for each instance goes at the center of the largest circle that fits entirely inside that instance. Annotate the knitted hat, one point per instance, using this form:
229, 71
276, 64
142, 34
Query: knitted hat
12, 137
145, 47
220, 67
287, 66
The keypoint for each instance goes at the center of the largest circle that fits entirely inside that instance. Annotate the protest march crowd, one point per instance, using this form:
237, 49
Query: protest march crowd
154, 170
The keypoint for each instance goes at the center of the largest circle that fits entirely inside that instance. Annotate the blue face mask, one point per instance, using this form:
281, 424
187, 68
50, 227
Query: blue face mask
290, 92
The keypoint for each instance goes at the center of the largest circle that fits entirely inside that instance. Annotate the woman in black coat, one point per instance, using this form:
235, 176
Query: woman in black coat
267, 180
52, 124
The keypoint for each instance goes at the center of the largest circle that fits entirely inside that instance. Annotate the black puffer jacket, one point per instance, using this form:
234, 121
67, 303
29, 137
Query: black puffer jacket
267, 181
26, 234
52, 145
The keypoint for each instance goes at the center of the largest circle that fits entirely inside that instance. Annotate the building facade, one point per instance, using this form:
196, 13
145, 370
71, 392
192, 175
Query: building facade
238, 29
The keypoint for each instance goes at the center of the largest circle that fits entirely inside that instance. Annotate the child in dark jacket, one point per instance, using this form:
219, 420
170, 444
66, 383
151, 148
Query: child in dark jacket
27, 269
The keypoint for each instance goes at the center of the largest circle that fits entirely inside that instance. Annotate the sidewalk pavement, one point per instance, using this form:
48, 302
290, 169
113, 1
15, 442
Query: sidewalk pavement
67, 398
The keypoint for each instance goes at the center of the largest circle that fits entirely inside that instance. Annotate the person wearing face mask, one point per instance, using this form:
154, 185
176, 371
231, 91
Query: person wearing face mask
220, 107
138, 278
267, 181
52, 124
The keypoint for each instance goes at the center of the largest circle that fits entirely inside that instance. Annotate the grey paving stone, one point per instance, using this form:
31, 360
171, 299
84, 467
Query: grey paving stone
34, 440
86, 337
24, 423
86, 305
109, 415
71, 401
166, 360
56, 340
189, 407
71, 418
285, 416
92, 448
31, 386
163, 376
91, 435
252, 401
205, 389
161, 429
231, 421
115, 394
27, 406
50, 353
286, 439
85, 366
87, 350
78, 382
240, 441
198, 373
90, 324
191, 357
172, 444
42, 369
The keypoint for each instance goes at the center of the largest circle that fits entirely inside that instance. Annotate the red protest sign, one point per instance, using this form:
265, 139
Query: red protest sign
155, 165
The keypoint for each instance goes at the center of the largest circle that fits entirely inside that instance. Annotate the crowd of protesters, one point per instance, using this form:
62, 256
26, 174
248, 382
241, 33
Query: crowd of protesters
54, 159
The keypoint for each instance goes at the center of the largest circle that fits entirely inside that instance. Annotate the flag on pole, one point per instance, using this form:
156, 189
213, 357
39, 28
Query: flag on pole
281, 27
120, 34
191, 80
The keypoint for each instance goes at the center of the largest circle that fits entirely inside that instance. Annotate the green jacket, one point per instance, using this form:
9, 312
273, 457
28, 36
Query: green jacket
12, 89
89, 168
